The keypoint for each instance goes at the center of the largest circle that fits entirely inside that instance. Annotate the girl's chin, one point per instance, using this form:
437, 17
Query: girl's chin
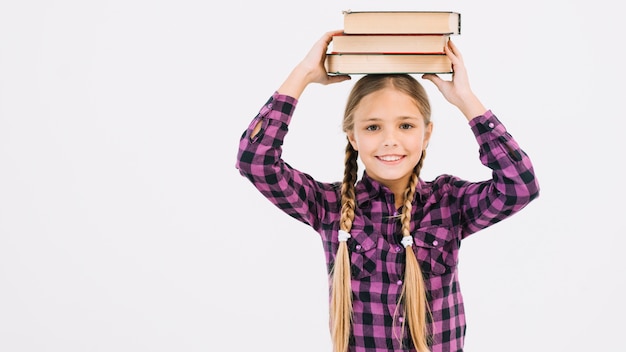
387, 177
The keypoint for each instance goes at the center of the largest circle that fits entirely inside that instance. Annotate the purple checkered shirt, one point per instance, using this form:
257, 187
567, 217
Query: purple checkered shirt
445, 211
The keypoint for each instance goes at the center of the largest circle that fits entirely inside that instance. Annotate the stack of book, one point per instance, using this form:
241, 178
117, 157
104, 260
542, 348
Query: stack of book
393, 42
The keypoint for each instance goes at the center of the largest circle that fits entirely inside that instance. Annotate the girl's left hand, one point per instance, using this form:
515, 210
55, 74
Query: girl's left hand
457, 91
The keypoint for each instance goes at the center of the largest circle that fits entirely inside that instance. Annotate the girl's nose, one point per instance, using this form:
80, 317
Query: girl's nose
390, 139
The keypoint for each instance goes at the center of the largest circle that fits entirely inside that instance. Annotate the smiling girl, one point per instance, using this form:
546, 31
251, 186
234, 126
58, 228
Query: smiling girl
390, 239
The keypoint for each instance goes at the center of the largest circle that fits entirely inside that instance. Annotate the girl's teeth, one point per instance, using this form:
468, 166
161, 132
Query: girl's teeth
390, 158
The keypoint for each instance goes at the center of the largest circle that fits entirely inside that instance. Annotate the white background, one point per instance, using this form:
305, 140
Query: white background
124, 225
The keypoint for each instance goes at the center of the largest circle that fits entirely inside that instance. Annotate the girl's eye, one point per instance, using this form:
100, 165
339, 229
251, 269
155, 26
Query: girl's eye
406, 126
372, 128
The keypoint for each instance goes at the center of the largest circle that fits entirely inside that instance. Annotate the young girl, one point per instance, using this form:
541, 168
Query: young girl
391, 239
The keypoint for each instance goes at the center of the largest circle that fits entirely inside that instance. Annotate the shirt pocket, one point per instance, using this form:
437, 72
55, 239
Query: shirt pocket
436, 249
363, 253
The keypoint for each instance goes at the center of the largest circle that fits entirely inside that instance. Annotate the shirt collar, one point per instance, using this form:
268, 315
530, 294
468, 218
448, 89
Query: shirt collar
368, 188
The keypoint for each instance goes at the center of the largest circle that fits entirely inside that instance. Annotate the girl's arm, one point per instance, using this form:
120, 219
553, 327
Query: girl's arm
513, 184
260, 149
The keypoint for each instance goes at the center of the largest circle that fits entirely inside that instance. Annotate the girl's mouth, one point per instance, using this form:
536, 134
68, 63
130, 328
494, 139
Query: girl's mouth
390, 158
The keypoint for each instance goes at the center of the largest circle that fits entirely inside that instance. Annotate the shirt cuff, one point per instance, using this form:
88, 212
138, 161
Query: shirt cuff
279, 107
487, 126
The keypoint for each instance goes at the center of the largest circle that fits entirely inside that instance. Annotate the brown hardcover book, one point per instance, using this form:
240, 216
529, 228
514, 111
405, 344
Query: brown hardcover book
390, 43
387, 63
396, 22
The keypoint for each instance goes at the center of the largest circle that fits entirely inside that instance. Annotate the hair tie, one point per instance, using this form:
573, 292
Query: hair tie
407, 241
343, 236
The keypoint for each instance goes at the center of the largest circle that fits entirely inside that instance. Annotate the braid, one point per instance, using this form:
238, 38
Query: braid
408, 196
405, 217
347, 188
341, 296
414, 290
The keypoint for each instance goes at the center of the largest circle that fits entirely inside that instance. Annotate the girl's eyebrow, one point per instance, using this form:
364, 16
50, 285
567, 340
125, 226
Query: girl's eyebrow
409, 117
374, 119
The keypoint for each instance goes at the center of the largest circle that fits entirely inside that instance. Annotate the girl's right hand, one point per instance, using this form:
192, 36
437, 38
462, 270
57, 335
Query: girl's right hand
312, 69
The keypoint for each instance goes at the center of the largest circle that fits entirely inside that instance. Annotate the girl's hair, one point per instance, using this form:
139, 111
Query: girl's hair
414, 291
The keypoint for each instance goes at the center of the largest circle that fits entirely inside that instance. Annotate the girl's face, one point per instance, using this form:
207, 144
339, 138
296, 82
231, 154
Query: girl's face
389, 134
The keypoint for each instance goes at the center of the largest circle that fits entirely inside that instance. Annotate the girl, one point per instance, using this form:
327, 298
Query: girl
391, 239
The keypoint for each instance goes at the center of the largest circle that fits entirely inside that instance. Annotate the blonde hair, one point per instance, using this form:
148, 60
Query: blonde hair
414, 290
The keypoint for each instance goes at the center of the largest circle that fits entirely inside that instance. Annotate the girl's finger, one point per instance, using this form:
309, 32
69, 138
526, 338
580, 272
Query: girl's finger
328, 36
448, 49
455, 49
437, 81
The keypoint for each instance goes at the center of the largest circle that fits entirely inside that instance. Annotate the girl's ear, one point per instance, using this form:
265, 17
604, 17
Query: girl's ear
352, 140
428, 131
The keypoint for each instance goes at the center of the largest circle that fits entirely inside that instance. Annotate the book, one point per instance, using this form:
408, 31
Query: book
393, 42
338, 63
389, 43
397, 22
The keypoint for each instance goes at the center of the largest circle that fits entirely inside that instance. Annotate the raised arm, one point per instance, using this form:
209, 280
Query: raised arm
260, 149
513, 184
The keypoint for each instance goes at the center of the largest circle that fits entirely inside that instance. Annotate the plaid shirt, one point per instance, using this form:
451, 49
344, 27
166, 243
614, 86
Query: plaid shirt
445, 211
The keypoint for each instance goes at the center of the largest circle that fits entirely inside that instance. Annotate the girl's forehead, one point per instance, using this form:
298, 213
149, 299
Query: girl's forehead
387, 103
388, 96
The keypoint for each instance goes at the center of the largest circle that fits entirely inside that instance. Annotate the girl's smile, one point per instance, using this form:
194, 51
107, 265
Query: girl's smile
390, 158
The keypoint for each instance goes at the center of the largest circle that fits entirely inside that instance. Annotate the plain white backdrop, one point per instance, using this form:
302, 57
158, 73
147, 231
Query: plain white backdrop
124, 225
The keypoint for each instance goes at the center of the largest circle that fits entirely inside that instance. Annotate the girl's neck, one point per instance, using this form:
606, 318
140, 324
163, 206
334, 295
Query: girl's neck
398, 194
397, 187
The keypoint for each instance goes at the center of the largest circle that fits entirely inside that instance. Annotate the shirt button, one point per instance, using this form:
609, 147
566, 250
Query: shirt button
435, 243
358, 246
491, 125
270, 105
398, 249
400, 319
399, 282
